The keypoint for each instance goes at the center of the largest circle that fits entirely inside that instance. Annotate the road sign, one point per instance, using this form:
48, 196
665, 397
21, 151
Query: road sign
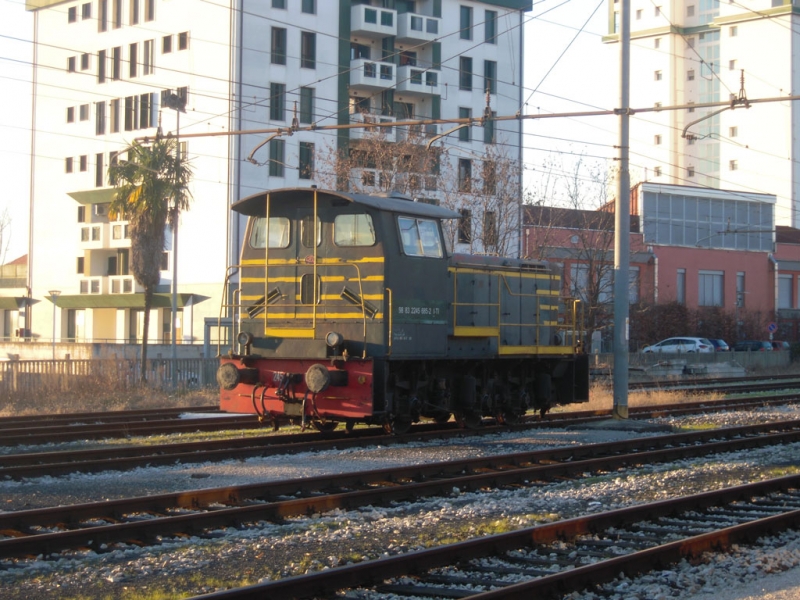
772, 327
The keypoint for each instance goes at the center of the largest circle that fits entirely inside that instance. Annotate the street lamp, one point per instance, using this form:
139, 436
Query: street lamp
178, 104
54, 294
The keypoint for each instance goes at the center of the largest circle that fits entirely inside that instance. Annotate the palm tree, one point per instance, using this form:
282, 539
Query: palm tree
151, 191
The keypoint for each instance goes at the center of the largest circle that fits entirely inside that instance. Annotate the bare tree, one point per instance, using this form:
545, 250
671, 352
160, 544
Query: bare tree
5, 235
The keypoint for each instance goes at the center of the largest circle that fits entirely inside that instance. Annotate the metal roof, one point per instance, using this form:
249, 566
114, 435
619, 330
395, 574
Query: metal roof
256, 205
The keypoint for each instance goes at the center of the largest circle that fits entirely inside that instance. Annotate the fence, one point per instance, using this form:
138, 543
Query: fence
25, 378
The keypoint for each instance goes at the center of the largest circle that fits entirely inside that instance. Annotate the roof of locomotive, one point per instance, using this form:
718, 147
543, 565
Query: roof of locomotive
256, 206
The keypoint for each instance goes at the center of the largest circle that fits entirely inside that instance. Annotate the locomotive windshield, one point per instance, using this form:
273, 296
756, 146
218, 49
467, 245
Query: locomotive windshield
278, 233
420, 237
353, 230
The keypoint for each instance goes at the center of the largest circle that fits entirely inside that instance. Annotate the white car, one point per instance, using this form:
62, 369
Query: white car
678, 345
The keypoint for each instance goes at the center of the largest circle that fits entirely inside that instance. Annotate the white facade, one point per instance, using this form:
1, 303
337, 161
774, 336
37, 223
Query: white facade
102, 65
694, 51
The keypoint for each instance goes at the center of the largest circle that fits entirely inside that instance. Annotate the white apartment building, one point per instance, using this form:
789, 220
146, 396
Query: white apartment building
697, 51
103, 70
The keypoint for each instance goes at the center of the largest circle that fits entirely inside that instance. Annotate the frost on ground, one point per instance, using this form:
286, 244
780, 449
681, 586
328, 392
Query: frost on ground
263, 551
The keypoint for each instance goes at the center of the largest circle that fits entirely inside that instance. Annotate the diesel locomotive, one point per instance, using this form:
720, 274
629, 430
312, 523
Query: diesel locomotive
351, 308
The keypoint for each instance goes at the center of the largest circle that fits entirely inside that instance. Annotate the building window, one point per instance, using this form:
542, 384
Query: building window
147, 110
639, 14
490, 76
733, 165
709, 288
113, 116
657, 171
68, 164
134, 12
690, 140
466, 23
278, 46
277, 101
116, 63
691, 108
657, 43
183, 40
279, 4
149, 10
71, 64
658, 11
465, 73
658, 76
488, 129
732, 65
690, 42
70, 114
387, 18
740, 293
490, 26
690, 10
98, 170
308, 50
690, 75
489, 177
132, 60
81, 214
680, 287
633, 285
166, 44
465, 133
102, 15
733, 31
490, 237
306, 105
733, 131
785, 291
309, 6
465, 226
116, 13
85, 61
306, 160
72, 14
277, 152
79, 265
464, 175
86, 11
148, 58
100, 118
657, 140
83, 163
690, 171
83, 112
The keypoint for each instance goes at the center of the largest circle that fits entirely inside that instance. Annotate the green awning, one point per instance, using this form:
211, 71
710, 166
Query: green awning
124, 300
15, 302
98, 196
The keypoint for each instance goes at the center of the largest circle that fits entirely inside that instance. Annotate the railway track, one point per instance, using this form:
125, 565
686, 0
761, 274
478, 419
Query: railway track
148, 519
548, 561
37, 464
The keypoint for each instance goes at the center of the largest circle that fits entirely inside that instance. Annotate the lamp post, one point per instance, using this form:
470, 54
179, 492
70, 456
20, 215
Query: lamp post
178, 103
54, 294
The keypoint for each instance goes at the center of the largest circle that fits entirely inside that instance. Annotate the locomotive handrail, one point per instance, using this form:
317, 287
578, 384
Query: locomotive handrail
231, 271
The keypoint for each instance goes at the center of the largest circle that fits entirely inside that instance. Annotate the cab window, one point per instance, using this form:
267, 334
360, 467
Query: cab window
353, 230
307, 231
420, 237
278, 233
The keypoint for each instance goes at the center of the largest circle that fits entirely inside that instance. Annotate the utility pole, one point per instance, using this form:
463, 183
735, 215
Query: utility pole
622, 225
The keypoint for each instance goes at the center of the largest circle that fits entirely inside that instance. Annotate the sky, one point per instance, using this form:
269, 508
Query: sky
567, 69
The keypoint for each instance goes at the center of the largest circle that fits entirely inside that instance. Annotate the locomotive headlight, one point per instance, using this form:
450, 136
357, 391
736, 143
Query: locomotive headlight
245, 339
334, 339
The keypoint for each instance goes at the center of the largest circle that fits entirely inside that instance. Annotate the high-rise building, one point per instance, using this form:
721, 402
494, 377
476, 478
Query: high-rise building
104, 73
701, 51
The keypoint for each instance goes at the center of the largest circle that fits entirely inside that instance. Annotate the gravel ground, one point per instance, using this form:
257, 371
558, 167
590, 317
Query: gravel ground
178, 568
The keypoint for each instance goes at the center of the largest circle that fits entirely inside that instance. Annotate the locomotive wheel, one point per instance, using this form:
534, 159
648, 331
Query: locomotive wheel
349, 426
508, 417
324, 426
398, 425
441, 418
469, 420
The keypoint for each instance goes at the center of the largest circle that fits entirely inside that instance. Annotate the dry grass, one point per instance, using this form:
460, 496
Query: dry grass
95, 394
601, 397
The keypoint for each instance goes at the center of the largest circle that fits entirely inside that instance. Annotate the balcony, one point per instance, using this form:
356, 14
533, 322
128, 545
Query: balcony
414, 80
416, 29
372, 22
418, 132
371, 75
366, 118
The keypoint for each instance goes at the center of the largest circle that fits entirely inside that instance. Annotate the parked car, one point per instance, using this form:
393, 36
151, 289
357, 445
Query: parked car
780, 345
678, 345
719, 345
752, 346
